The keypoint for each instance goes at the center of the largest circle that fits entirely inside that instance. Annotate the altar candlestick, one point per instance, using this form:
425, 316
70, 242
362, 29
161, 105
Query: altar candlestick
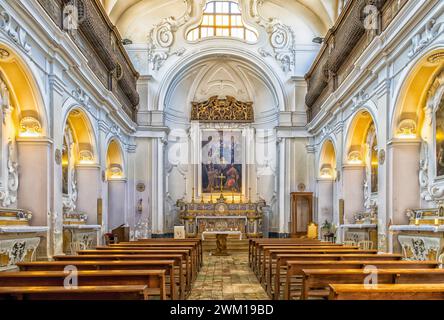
249, 195
211, 196
232, 197
202, 200
192, 197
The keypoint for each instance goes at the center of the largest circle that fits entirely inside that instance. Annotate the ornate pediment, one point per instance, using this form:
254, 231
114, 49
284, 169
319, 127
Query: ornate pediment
222, 110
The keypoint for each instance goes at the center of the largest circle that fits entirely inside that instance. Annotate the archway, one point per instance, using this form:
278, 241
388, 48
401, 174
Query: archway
221, 75
116, 179
360, 170
24, 152
326, 178
416, 138
80, 169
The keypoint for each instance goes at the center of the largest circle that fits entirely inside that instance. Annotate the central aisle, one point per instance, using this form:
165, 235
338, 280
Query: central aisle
227, 278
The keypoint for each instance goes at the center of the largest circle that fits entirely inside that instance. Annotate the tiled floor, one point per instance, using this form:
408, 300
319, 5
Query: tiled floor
227, 278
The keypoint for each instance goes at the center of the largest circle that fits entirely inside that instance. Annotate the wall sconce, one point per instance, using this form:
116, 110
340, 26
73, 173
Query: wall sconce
139, 206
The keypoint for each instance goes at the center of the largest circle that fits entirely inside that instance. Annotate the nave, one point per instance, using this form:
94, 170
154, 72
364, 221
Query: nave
279, 269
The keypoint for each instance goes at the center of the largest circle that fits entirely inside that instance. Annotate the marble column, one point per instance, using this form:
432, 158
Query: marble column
404, 191
325, 204
88, 186
157, 185
353, 190
35, 193
116, 203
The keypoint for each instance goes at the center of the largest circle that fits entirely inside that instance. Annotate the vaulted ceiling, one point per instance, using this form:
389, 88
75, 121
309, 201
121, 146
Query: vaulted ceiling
326, 11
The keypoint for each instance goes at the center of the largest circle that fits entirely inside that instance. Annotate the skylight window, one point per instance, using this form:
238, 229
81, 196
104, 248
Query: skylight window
222, 19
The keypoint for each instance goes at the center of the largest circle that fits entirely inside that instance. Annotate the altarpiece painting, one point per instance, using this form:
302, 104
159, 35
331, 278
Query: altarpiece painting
221, 161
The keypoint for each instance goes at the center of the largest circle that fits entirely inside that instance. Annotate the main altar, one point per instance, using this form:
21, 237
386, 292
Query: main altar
222, 214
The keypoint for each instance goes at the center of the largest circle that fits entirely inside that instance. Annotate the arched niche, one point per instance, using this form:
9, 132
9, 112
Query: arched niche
326, 188
415, 146
24, 151
360, 169
116, 180
80, 169
114, 161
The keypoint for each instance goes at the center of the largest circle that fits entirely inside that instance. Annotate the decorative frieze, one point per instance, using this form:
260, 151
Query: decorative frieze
425, 37
14, 31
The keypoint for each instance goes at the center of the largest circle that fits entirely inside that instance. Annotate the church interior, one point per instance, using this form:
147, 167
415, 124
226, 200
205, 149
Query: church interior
222, 149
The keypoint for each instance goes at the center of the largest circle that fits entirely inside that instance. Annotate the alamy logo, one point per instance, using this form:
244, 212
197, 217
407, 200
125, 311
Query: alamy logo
371, 281
72, 279
371, 20
73, 15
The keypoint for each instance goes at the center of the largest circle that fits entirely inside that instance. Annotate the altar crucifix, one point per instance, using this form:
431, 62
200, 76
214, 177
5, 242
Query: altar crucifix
221, 178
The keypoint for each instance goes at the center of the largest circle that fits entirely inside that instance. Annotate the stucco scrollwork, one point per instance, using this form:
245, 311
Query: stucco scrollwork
162, 37
282, 37
432, 190
9, 195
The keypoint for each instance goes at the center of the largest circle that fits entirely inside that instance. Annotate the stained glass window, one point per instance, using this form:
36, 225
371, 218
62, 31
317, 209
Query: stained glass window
222, 19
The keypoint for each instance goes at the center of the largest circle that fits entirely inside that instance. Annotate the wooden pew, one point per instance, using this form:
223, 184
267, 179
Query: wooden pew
125, 292
154, 279
193, 250
283, 258
434, 291
255, 242
255, 245
321, 278
191, 270
294, 268
261, 248
167, 265
198, 242
184, 269
267, 262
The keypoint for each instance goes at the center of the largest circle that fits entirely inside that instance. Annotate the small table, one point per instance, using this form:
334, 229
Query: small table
221, 240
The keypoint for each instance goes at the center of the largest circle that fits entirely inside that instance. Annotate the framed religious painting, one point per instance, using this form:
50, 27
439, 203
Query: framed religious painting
221, 161
439, 130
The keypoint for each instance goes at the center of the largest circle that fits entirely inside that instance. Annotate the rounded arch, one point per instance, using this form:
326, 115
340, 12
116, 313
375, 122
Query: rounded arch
412, 94
25, 93
253, 64
327, 160
80, 125
115, 162
362, 122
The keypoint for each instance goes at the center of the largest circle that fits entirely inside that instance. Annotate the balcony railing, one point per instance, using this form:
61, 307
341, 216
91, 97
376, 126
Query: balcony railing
100, 42
343, 45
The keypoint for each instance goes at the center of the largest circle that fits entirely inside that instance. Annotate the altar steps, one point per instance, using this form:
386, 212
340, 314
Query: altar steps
233, 244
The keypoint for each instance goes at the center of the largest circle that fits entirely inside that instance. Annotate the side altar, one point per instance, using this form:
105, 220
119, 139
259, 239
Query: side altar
222, 215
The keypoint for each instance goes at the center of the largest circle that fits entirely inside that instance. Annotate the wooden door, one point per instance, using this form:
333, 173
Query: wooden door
301, 213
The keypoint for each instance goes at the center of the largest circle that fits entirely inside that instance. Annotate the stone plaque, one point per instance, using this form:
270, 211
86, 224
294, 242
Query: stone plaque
140, 187
58, 156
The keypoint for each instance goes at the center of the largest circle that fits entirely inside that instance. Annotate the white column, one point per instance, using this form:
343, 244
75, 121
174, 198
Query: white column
116, 202
325, 201
157, 183
88, 186
404, 191
353, 190
284, 186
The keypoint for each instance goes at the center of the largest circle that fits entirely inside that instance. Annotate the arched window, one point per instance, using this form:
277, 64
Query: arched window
222, 19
